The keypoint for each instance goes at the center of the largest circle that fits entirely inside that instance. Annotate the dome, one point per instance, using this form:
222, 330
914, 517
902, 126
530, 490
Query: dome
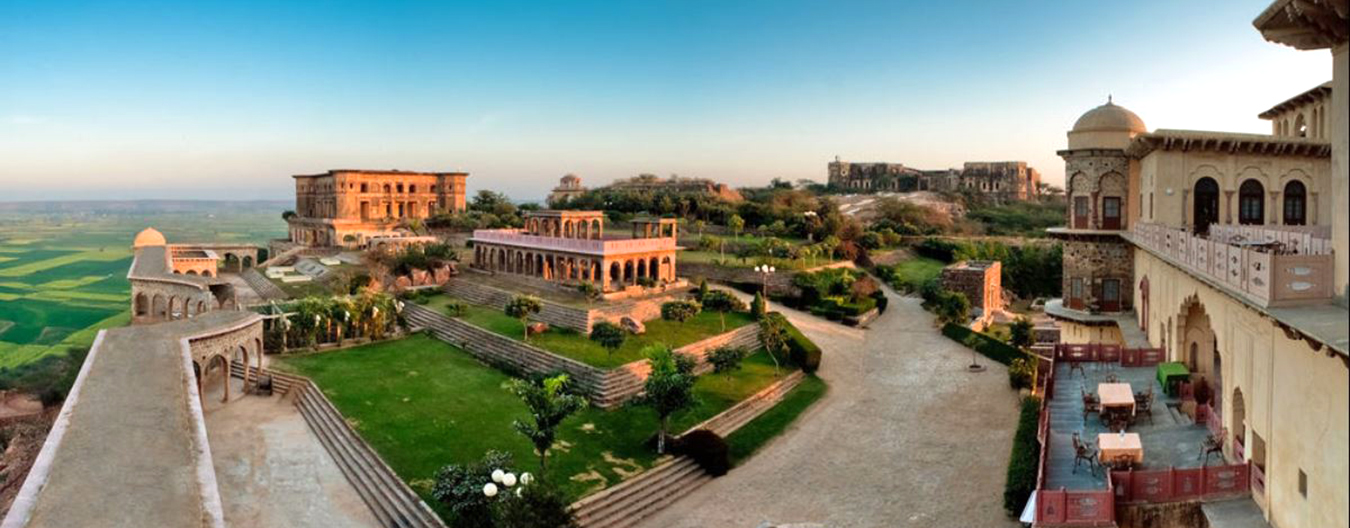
570, 178
1110, 117
1106, 126
149, 237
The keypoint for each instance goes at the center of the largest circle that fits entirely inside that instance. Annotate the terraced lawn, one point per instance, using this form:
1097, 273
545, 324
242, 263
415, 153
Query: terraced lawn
577, 346
422, 403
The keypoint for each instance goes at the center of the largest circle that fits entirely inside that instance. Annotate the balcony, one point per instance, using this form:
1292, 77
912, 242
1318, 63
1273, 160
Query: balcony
1269, 266
620, 246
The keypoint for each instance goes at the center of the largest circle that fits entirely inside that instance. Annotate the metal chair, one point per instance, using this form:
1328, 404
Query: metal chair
1213, 444
1081, 452
1143, 406
1091, 404
1077, 365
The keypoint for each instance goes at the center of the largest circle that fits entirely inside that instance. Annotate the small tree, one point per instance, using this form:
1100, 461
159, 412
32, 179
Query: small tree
773, 336
680, 311
609, 335
1020, 333
759, 307
549, 403
736, 223
721, 301
522, 307
668, 389
952, 308
726, 360
702, 290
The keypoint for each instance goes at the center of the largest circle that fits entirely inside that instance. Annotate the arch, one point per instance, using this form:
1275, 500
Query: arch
615, 272
1251, 202
201, 307
218, 362
668, 268
141, 305
1113, 190
246, 262
241, 354
1143, 301
654, 270
174, 305
642, 268
1206, 204
1295, 203
158, 309
1239, 422
1300, 126
1196, 332
190, 272
596, 228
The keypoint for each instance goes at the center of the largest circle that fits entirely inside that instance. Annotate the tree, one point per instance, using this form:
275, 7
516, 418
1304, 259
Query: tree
721, 301
829, 245
773, 336
759, 307
727, 359
287, 215
680, 310
698, 226
952, 308
736, 223
702, 290
549, 402
609, 335
522, 307
1020, 333
668, 389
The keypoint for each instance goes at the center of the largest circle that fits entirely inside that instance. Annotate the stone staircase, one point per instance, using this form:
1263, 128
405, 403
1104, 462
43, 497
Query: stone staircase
265, 289
730, 420
633, 500
283, 256
388, 497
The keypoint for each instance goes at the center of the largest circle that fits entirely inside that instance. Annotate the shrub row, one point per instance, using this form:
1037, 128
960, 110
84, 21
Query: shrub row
1025, 459
990, 347
836, 308
802, 351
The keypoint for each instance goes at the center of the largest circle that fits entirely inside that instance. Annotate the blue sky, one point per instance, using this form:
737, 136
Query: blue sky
227, 99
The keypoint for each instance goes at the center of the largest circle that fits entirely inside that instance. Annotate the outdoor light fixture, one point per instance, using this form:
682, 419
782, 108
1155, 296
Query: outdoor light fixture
490, 490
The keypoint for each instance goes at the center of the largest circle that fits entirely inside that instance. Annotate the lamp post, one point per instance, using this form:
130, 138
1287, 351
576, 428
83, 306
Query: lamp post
764, 270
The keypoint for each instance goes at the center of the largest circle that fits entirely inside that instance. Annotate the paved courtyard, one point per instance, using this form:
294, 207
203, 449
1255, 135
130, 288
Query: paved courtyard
272, 470
904, 437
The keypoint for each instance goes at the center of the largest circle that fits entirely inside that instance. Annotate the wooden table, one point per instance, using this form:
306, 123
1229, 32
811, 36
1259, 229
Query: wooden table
1112, 445
1116, 396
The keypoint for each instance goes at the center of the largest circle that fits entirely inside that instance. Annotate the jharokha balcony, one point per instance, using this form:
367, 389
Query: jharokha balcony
1269, 266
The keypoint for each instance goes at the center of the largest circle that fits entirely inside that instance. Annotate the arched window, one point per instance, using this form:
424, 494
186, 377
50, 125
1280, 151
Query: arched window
1300, 126
1206, 204
1251, 203
1295, 203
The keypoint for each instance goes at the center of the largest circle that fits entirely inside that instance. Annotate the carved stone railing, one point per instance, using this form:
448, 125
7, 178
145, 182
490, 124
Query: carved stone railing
517, 237
1261, 274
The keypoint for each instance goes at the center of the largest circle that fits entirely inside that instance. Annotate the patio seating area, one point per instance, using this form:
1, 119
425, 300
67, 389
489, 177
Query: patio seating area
1130, 421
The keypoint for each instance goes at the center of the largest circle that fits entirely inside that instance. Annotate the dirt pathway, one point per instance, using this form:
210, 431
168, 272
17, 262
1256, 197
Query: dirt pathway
904, 437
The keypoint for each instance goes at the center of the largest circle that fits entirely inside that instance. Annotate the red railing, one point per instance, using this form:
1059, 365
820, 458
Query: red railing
1176, 485
1126, 357
1258, 480
1076, 508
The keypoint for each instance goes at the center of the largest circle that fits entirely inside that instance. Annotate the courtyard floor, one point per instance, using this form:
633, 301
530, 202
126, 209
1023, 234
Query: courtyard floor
904, 437
270, 468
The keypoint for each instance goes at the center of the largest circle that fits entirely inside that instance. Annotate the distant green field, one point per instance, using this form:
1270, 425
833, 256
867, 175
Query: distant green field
63, 275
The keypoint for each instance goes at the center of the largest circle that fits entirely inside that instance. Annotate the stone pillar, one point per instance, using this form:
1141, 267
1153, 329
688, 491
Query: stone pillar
1276, 216
1227, 206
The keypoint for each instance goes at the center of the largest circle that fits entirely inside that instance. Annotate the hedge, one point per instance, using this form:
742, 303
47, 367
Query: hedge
802, 351
1025, 459
990, 347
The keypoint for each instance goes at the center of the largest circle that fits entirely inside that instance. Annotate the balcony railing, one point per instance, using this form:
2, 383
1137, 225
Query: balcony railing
1268, 265
517, 237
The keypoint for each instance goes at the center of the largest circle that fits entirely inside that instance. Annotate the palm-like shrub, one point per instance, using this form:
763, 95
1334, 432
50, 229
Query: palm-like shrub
608, 335
668, 389
550, 402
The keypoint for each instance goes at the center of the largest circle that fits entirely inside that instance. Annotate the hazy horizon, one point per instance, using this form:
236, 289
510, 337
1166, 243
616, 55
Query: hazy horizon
228, 100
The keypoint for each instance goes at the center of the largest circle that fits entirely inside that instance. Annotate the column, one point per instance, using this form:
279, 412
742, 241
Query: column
1227, 207
1276, 216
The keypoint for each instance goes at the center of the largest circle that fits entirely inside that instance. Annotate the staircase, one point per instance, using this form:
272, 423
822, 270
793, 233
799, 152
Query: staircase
260, 284
750, 408
391, 501
283, 256
640, 497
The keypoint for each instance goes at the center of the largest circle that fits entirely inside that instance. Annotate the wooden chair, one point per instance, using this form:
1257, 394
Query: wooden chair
1081, 453
1077, 365
1121, 462
1112, 378
1213, 444
1143, 407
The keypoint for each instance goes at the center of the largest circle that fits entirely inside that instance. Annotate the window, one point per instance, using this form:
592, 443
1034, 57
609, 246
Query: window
1111, 212
1111, 295
1295, 203
1251, 203
1080, 212
1076, 293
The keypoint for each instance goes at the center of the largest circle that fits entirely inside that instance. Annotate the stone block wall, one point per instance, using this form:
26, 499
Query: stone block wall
1092, 260
554, 314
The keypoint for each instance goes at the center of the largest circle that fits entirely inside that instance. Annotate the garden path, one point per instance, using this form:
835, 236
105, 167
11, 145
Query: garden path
904, 437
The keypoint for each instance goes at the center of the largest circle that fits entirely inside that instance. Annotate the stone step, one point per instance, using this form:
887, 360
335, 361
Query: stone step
382, 490
349, 467
638, 491
652, 500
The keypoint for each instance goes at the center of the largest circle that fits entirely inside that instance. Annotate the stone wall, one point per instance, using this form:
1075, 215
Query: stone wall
780, 283
1094, 259
554, 314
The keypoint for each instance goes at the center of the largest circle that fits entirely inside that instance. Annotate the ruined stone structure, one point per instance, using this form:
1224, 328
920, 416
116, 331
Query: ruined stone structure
982, 283
1230, 251
1000, 180
570, 247
348, 208
569, 186
676, 184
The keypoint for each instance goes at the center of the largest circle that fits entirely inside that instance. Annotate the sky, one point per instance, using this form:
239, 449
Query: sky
226, 100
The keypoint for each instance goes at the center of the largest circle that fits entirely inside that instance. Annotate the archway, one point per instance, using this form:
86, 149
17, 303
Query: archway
1206, 204
1251, 203
1239, 427
1295, 203
246, 262
158, 308
1203, 357
1143, 300
141, 305
240, 354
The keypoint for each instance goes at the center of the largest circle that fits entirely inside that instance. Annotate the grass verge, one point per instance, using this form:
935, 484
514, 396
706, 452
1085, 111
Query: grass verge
749, 438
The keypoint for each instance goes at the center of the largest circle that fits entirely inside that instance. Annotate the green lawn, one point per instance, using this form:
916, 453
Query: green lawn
730, 260
911, 274
572, 344
422, 403
750, 437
